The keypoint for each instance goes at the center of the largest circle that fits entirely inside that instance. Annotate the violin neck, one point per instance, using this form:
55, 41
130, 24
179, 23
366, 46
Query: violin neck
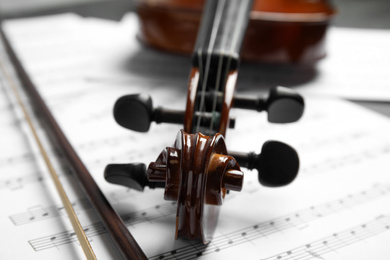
221, 33
216, 58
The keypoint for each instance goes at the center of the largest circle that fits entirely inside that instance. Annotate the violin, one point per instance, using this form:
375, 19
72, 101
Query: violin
198, 171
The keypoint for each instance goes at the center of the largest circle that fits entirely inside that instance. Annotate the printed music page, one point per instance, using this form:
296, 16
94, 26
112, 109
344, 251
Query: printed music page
335, 209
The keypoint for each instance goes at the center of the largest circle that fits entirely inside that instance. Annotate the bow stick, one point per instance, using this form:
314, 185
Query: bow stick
118, 231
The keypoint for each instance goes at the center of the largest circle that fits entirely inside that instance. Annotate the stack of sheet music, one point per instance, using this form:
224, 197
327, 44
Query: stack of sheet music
336, 209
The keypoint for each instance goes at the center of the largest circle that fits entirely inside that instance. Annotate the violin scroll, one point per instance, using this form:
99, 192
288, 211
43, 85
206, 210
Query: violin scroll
197, 172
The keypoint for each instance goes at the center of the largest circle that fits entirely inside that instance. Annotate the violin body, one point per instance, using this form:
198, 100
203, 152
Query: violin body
279, 31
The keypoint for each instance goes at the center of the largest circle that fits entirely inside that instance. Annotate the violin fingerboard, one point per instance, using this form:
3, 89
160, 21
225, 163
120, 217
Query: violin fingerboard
222, 32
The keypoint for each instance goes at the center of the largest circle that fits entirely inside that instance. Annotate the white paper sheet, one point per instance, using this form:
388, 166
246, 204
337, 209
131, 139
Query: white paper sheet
336, 209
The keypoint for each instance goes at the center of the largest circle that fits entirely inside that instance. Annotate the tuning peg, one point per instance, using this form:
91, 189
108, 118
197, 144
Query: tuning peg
136, 112
282, 104
277, 164
132, 175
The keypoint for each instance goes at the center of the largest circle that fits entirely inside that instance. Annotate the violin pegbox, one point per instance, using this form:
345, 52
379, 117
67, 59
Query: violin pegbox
136, 112
197, 173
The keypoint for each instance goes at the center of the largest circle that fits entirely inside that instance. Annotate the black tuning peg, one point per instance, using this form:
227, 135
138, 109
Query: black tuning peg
282, 104
136, 112
132, 175
277, 164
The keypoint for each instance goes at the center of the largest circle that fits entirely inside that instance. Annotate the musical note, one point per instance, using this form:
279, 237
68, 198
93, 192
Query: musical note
14, 184
65, 237
39, 213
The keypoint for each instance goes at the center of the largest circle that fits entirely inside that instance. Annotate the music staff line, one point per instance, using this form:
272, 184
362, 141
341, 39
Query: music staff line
332, 243
19, 182
91, 145
351, 158
323, 141
66, 237
59, 102
39, 213
297, 220
98, 228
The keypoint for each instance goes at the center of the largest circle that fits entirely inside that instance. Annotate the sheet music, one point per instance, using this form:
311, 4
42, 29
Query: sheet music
336, 209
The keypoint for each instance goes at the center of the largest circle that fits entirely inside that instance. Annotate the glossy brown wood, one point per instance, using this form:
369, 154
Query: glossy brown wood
279, 31
191, 99
197, 172
118, 231
227, 101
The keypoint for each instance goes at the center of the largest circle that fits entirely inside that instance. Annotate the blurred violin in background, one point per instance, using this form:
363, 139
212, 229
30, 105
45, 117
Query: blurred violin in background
197, 171
279, 31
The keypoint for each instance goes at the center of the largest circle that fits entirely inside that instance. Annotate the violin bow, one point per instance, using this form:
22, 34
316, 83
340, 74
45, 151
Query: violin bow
121, 236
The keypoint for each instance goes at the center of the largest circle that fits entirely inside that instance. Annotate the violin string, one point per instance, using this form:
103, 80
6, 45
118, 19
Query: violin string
216, 88
235, 37
214, 31
200, 58
217, 82
87, 249
238, 29
233, 46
